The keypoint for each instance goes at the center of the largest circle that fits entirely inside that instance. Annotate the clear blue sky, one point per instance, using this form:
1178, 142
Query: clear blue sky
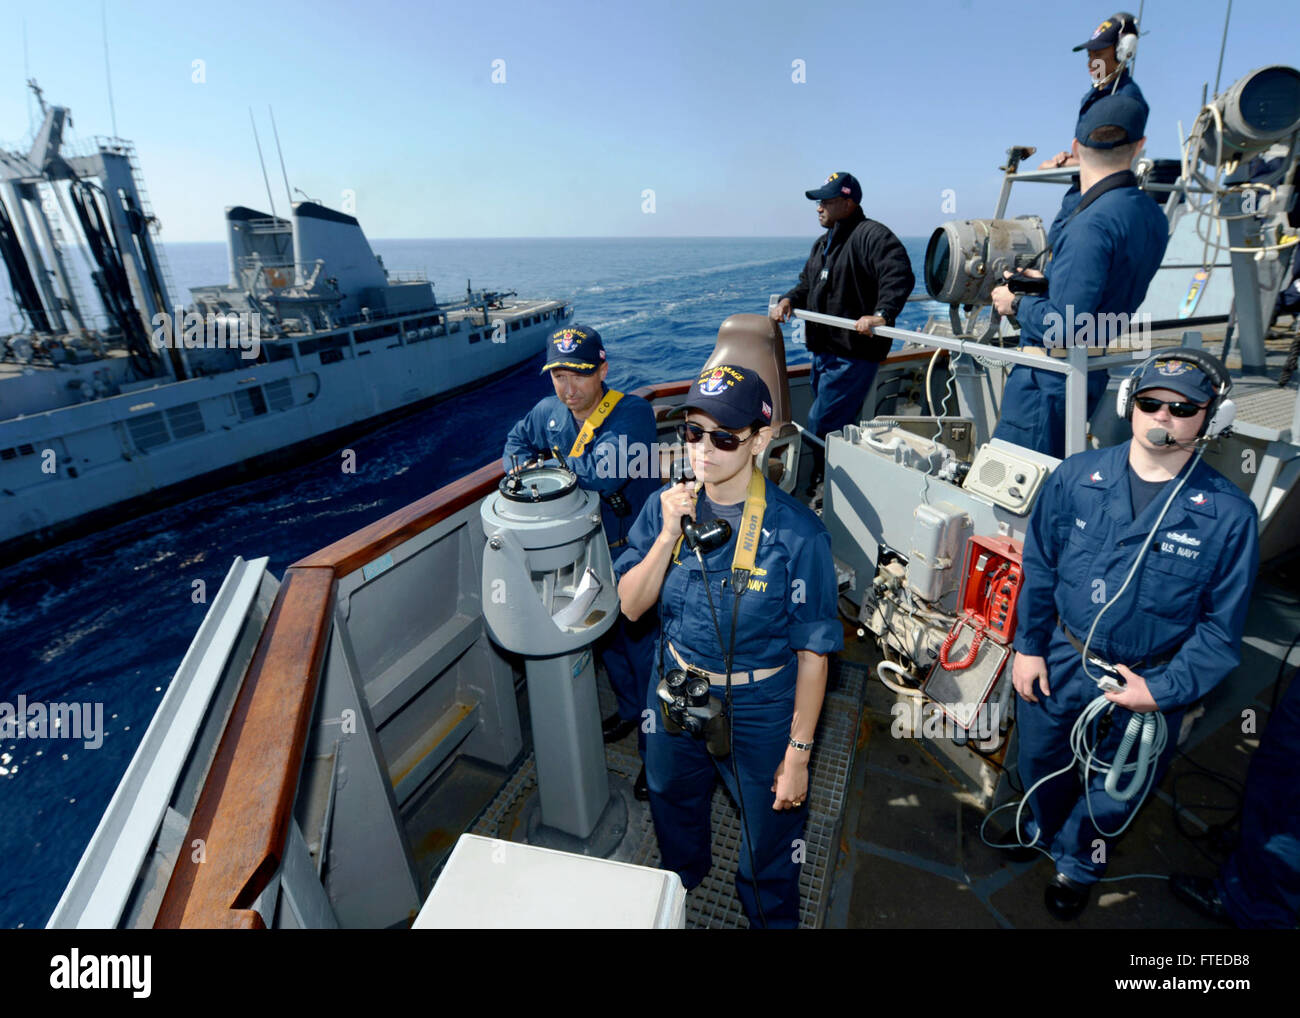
395, 101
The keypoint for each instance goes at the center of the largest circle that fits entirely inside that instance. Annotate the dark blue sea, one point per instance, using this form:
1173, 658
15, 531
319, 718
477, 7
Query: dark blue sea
107, 618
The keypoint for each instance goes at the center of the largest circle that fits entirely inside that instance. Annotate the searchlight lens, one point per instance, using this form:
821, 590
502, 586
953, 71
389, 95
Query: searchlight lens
1270, 101
965, 258
936, 262
1259, 109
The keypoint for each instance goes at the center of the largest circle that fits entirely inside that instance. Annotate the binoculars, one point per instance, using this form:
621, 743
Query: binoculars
688, 707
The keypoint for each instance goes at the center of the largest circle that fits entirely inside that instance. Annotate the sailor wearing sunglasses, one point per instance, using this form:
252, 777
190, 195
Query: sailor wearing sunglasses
1158, 644
755, 615
606, 438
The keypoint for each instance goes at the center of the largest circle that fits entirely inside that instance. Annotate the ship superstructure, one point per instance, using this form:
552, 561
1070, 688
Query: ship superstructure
148, 401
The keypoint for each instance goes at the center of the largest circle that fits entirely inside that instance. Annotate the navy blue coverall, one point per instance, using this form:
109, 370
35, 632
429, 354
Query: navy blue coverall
1260, 883
1127, 86
1104, 259
1186, 606
789, 605
620, 458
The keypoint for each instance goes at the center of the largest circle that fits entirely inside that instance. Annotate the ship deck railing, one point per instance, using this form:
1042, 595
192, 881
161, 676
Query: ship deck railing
1074, 366
245, 809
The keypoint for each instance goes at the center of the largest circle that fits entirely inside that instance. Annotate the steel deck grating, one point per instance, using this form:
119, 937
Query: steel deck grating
1268, 408
713, 904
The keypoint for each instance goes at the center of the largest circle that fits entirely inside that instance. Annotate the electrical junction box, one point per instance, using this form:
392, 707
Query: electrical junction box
956, 433
939, 533
1005, 478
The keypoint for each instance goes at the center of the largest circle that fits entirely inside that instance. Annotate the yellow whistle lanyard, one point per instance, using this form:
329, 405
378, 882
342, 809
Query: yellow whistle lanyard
592, 423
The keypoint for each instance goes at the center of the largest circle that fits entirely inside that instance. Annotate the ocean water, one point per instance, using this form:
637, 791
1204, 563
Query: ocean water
107, 618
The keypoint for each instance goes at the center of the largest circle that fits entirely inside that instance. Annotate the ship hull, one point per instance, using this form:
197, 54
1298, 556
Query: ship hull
103, 469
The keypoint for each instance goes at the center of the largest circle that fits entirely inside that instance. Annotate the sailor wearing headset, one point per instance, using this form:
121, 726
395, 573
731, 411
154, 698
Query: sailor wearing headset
1144, 557
1111, 51
754, 614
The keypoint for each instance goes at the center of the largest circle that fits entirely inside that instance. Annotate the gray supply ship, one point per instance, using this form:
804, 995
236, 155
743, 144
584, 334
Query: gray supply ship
334, 731
310, 340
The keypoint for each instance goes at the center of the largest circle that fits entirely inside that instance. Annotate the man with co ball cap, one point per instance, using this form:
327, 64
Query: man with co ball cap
1107, 252
1110, 49
758, 606
857, 270
586, 422
1171, 635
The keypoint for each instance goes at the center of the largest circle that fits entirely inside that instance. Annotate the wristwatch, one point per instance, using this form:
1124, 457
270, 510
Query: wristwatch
804, 746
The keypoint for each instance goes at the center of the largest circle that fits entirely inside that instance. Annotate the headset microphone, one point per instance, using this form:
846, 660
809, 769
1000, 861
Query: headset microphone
1159, 436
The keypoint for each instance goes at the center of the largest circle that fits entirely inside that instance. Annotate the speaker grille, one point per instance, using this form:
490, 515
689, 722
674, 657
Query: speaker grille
992, 473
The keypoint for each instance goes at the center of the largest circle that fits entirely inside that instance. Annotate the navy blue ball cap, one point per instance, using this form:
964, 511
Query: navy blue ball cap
733, 396
1108, 32
839, 184
1120, 111
1180, 376
575, 348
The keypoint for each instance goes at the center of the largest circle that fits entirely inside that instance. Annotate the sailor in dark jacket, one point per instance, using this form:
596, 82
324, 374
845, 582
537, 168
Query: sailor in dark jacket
857, 270
1105, 257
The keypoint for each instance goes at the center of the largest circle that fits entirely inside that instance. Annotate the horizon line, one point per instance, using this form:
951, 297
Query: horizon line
693, 236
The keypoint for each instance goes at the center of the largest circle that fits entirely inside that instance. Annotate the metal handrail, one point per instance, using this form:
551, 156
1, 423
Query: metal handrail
1074, 366
1064, 175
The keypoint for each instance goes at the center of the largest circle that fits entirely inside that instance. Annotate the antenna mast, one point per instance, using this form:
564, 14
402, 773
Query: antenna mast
108, 73
287, 192
265, 179
1222, 46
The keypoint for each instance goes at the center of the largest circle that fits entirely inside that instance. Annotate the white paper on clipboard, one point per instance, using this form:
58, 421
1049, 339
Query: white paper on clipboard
572, 614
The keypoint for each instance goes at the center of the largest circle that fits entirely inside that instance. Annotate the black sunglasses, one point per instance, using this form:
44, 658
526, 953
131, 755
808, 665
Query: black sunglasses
1149, 405
724, 440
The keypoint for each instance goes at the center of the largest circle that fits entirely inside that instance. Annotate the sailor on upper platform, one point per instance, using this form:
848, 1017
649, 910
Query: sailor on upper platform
755, 615
1172, 629
1111, 50
1105, 257
608, 439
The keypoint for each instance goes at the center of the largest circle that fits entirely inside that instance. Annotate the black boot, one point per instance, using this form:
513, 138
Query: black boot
615, 728
1065, 899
